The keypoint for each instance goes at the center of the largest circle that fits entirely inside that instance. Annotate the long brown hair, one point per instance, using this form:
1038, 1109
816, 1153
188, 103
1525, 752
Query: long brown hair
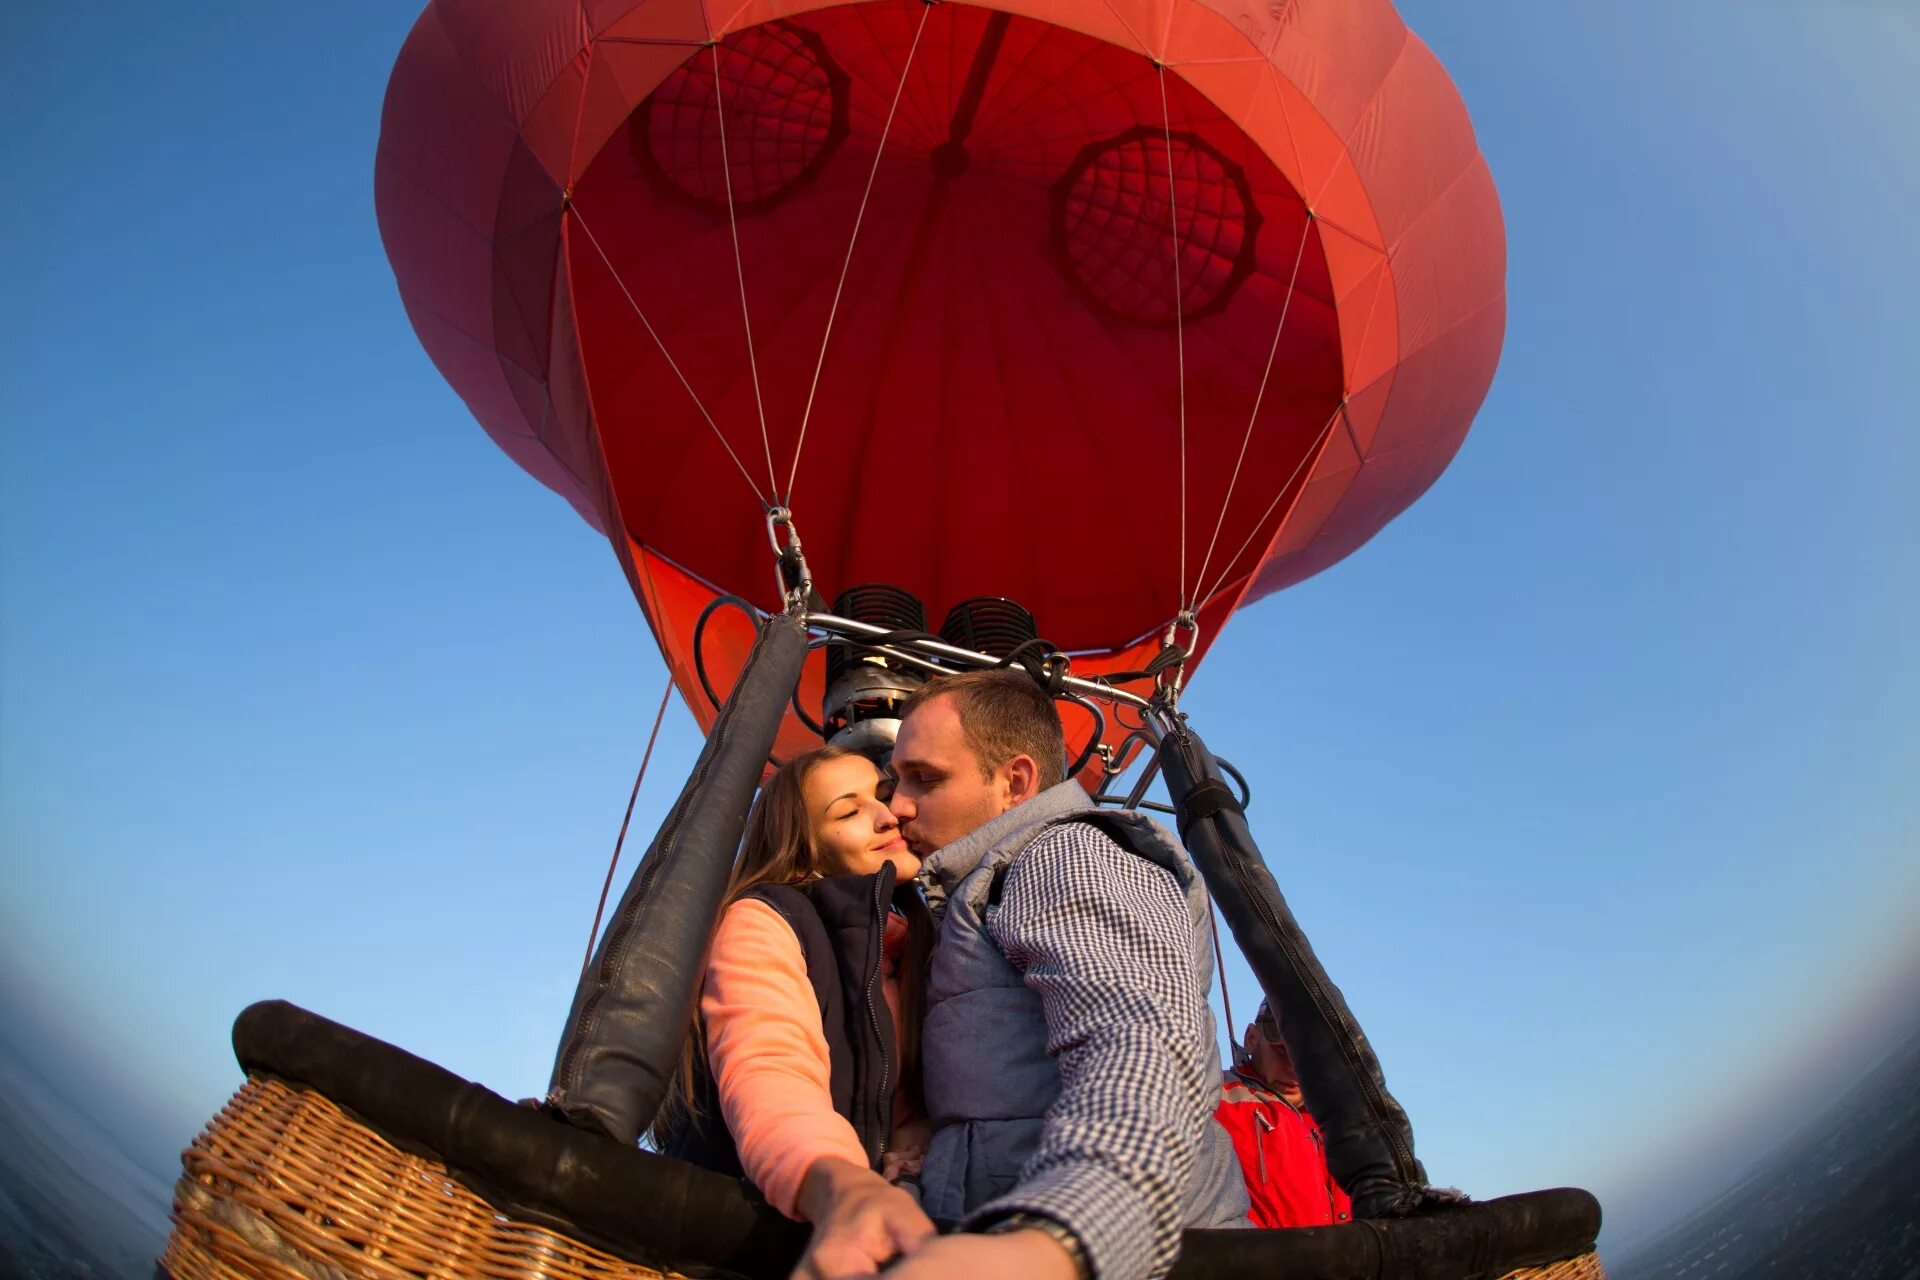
779, 848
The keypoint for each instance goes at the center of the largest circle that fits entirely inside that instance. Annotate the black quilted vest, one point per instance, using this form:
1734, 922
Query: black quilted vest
841, 924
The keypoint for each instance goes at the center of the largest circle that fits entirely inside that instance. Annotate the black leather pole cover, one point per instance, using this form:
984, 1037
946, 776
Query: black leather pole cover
630, 1014
1369, 1139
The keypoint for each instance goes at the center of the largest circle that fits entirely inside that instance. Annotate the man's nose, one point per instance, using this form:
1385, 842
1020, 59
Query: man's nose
899, 806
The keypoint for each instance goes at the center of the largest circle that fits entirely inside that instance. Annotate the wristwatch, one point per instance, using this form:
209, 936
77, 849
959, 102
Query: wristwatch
1061, 1234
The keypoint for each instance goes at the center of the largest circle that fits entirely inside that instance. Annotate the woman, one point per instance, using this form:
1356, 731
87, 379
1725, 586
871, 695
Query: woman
803, 1072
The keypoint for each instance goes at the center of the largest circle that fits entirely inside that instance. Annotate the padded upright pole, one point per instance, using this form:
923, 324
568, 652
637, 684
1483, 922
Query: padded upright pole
630, 1015
1369, 1139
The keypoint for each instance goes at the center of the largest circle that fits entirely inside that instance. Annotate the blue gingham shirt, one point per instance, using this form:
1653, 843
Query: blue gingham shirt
1105, 939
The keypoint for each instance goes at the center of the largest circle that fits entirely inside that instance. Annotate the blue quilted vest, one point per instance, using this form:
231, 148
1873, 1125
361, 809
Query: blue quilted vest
989, 1078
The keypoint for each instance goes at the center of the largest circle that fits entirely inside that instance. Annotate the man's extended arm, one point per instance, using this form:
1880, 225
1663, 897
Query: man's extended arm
1103, 936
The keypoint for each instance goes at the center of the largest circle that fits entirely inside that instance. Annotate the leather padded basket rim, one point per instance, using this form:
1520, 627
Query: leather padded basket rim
284, 1185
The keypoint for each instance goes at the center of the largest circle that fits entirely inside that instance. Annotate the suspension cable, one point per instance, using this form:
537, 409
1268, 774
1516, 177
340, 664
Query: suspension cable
739, 268
833, 311
1220, 962
659, 342
1286, 305
1312, 452
594, 933
1179, 326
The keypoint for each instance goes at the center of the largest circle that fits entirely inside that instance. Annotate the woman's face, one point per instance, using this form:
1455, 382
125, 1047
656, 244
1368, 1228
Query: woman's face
852, 828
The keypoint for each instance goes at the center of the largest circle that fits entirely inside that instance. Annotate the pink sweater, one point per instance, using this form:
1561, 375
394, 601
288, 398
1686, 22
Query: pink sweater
768, 1052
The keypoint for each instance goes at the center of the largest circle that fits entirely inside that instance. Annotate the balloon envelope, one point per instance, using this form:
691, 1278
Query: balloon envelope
1152, 303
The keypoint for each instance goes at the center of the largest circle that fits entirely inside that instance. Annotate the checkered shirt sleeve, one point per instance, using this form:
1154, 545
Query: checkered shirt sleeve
1104, 938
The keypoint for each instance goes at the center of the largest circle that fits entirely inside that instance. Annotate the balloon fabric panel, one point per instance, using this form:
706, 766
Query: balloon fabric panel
1027, 391
1006, 328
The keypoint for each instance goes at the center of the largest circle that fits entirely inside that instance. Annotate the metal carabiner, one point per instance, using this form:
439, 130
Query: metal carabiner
791, 574
1169, 680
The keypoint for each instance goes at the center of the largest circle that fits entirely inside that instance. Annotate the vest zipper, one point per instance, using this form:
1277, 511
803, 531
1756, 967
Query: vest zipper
885, 1117
1320, 1145
1371, 1094
1260, 1142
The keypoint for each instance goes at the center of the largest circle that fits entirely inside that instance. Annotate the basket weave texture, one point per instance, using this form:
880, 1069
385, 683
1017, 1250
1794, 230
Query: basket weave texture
1585, 1267
284, 1185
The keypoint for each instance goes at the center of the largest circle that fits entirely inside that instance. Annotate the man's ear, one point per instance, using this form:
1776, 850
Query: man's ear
1023, 779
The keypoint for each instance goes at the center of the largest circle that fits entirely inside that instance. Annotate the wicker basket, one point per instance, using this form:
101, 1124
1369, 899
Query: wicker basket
1585, 1267
284, 1185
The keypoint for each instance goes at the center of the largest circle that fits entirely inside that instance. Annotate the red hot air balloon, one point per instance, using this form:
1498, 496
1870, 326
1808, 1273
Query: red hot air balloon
1117, 308
1129, 310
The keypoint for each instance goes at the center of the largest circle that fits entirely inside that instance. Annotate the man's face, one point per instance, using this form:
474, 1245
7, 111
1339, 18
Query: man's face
941, 792
1267, 1055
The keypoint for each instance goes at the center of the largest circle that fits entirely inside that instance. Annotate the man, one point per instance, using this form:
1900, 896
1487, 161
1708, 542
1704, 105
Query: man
1282, 1154
1069, 1058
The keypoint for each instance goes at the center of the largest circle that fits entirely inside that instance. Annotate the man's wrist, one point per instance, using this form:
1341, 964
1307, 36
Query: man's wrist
1036, 1224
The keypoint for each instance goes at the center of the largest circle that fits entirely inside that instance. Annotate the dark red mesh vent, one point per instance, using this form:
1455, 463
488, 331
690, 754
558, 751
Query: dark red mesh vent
785, 104
1114, 229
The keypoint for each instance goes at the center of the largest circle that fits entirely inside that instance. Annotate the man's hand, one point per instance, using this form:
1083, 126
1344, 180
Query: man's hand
860, 1221
1029, 1255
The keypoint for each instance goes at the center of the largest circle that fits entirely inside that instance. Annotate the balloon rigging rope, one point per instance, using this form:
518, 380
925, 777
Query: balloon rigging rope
1220, 961
1313, 451
1179, 330
740, 270
1299, 255
853, 239
621, 839
668, 356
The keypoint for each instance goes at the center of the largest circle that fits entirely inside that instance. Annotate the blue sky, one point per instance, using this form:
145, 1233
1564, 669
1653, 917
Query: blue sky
1591, 777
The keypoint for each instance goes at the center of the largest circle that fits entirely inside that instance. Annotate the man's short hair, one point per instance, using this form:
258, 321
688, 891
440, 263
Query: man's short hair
1003, 714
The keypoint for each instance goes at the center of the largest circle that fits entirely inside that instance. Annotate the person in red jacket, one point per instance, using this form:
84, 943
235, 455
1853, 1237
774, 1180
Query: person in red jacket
1282, 1154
